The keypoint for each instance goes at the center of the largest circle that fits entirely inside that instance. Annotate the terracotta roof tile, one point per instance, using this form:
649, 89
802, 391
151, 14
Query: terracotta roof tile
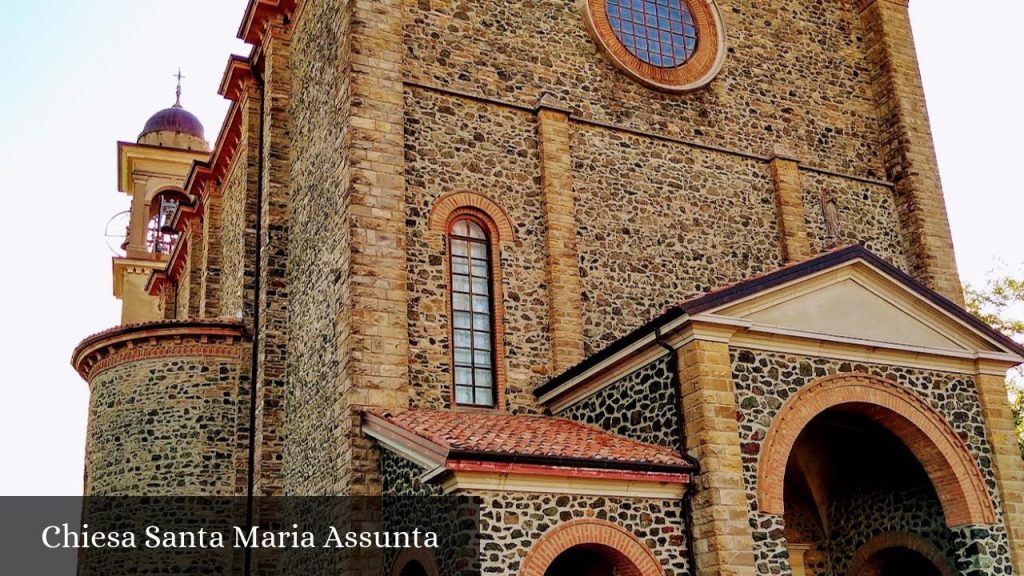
527, 436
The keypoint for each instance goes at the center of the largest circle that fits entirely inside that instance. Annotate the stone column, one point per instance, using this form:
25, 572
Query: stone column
797, 558
139, 219
789, 201
1006, 458
722, 534
907, 144
565, 307
275, 182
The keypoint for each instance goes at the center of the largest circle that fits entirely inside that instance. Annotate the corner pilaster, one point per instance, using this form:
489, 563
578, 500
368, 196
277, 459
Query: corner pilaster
565, 307
907, 144
722, 535
1006, 457
196, 256
375, 351
273, 286
212, 256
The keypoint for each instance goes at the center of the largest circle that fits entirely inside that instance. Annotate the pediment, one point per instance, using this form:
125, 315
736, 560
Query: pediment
856, 301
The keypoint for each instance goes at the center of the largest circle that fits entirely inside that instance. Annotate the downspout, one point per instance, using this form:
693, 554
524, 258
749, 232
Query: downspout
691, 488
250, 496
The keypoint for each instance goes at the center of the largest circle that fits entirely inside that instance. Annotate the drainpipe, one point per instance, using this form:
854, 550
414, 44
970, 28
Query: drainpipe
250, 496
691, 488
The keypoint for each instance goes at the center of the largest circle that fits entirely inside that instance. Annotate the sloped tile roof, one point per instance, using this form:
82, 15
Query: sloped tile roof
520, 437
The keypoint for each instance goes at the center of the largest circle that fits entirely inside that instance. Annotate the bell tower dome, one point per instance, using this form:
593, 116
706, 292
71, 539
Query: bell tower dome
175, 127
152, 173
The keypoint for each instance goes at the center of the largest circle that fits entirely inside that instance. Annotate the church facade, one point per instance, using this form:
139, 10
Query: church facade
667, 285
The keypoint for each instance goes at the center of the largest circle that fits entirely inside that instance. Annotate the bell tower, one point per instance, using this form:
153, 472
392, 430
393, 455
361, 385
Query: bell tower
152, 173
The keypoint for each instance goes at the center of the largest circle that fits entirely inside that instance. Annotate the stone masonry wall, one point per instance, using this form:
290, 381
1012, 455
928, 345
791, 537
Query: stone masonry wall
641, 406
857, 518
163, 426
796, 72
659, 223
868, 213
232, 244
458, 145
673, 192
213, 229
511, 523
765, 380
319, 240
399, 477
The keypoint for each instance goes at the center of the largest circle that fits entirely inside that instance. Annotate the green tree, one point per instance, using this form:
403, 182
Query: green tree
1000, 303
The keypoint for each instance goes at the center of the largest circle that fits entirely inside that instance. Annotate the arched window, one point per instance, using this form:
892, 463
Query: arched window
160, 236
472, 312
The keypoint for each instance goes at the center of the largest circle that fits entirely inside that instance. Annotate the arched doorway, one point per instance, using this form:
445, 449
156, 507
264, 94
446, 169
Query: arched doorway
851, 457
932, 441
590, 548
415, 562
898, 562
413, 568
848, 478
899, 553
592, 560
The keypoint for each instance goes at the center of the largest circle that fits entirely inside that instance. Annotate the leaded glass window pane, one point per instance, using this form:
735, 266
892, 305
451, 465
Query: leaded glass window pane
661, 33
472, 313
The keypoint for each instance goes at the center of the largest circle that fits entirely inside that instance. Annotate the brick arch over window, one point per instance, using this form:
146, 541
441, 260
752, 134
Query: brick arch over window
943, 454
448, 206
423, 556
866, 553
628, 555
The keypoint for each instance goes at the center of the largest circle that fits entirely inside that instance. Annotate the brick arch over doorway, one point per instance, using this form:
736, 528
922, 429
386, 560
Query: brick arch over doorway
891, 540
944, 456
423, 556
631, 556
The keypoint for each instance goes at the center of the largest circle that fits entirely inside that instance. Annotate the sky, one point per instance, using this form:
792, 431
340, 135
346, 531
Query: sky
80, 75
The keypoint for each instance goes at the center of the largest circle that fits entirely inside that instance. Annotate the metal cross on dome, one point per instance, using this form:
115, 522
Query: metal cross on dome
177, 92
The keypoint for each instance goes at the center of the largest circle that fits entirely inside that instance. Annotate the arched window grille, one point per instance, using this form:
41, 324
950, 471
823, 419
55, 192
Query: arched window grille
472, 312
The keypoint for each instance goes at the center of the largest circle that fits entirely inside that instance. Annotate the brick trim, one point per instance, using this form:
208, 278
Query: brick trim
445, 207
126, 355
138, 342
943, 454
889, 540
424, 556
497, 302
697, 72
624, 551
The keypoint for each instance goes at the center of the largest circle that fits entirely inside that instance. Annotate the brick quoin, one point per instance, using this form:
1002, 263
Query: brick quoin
861, 563
944, 456
626, 553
